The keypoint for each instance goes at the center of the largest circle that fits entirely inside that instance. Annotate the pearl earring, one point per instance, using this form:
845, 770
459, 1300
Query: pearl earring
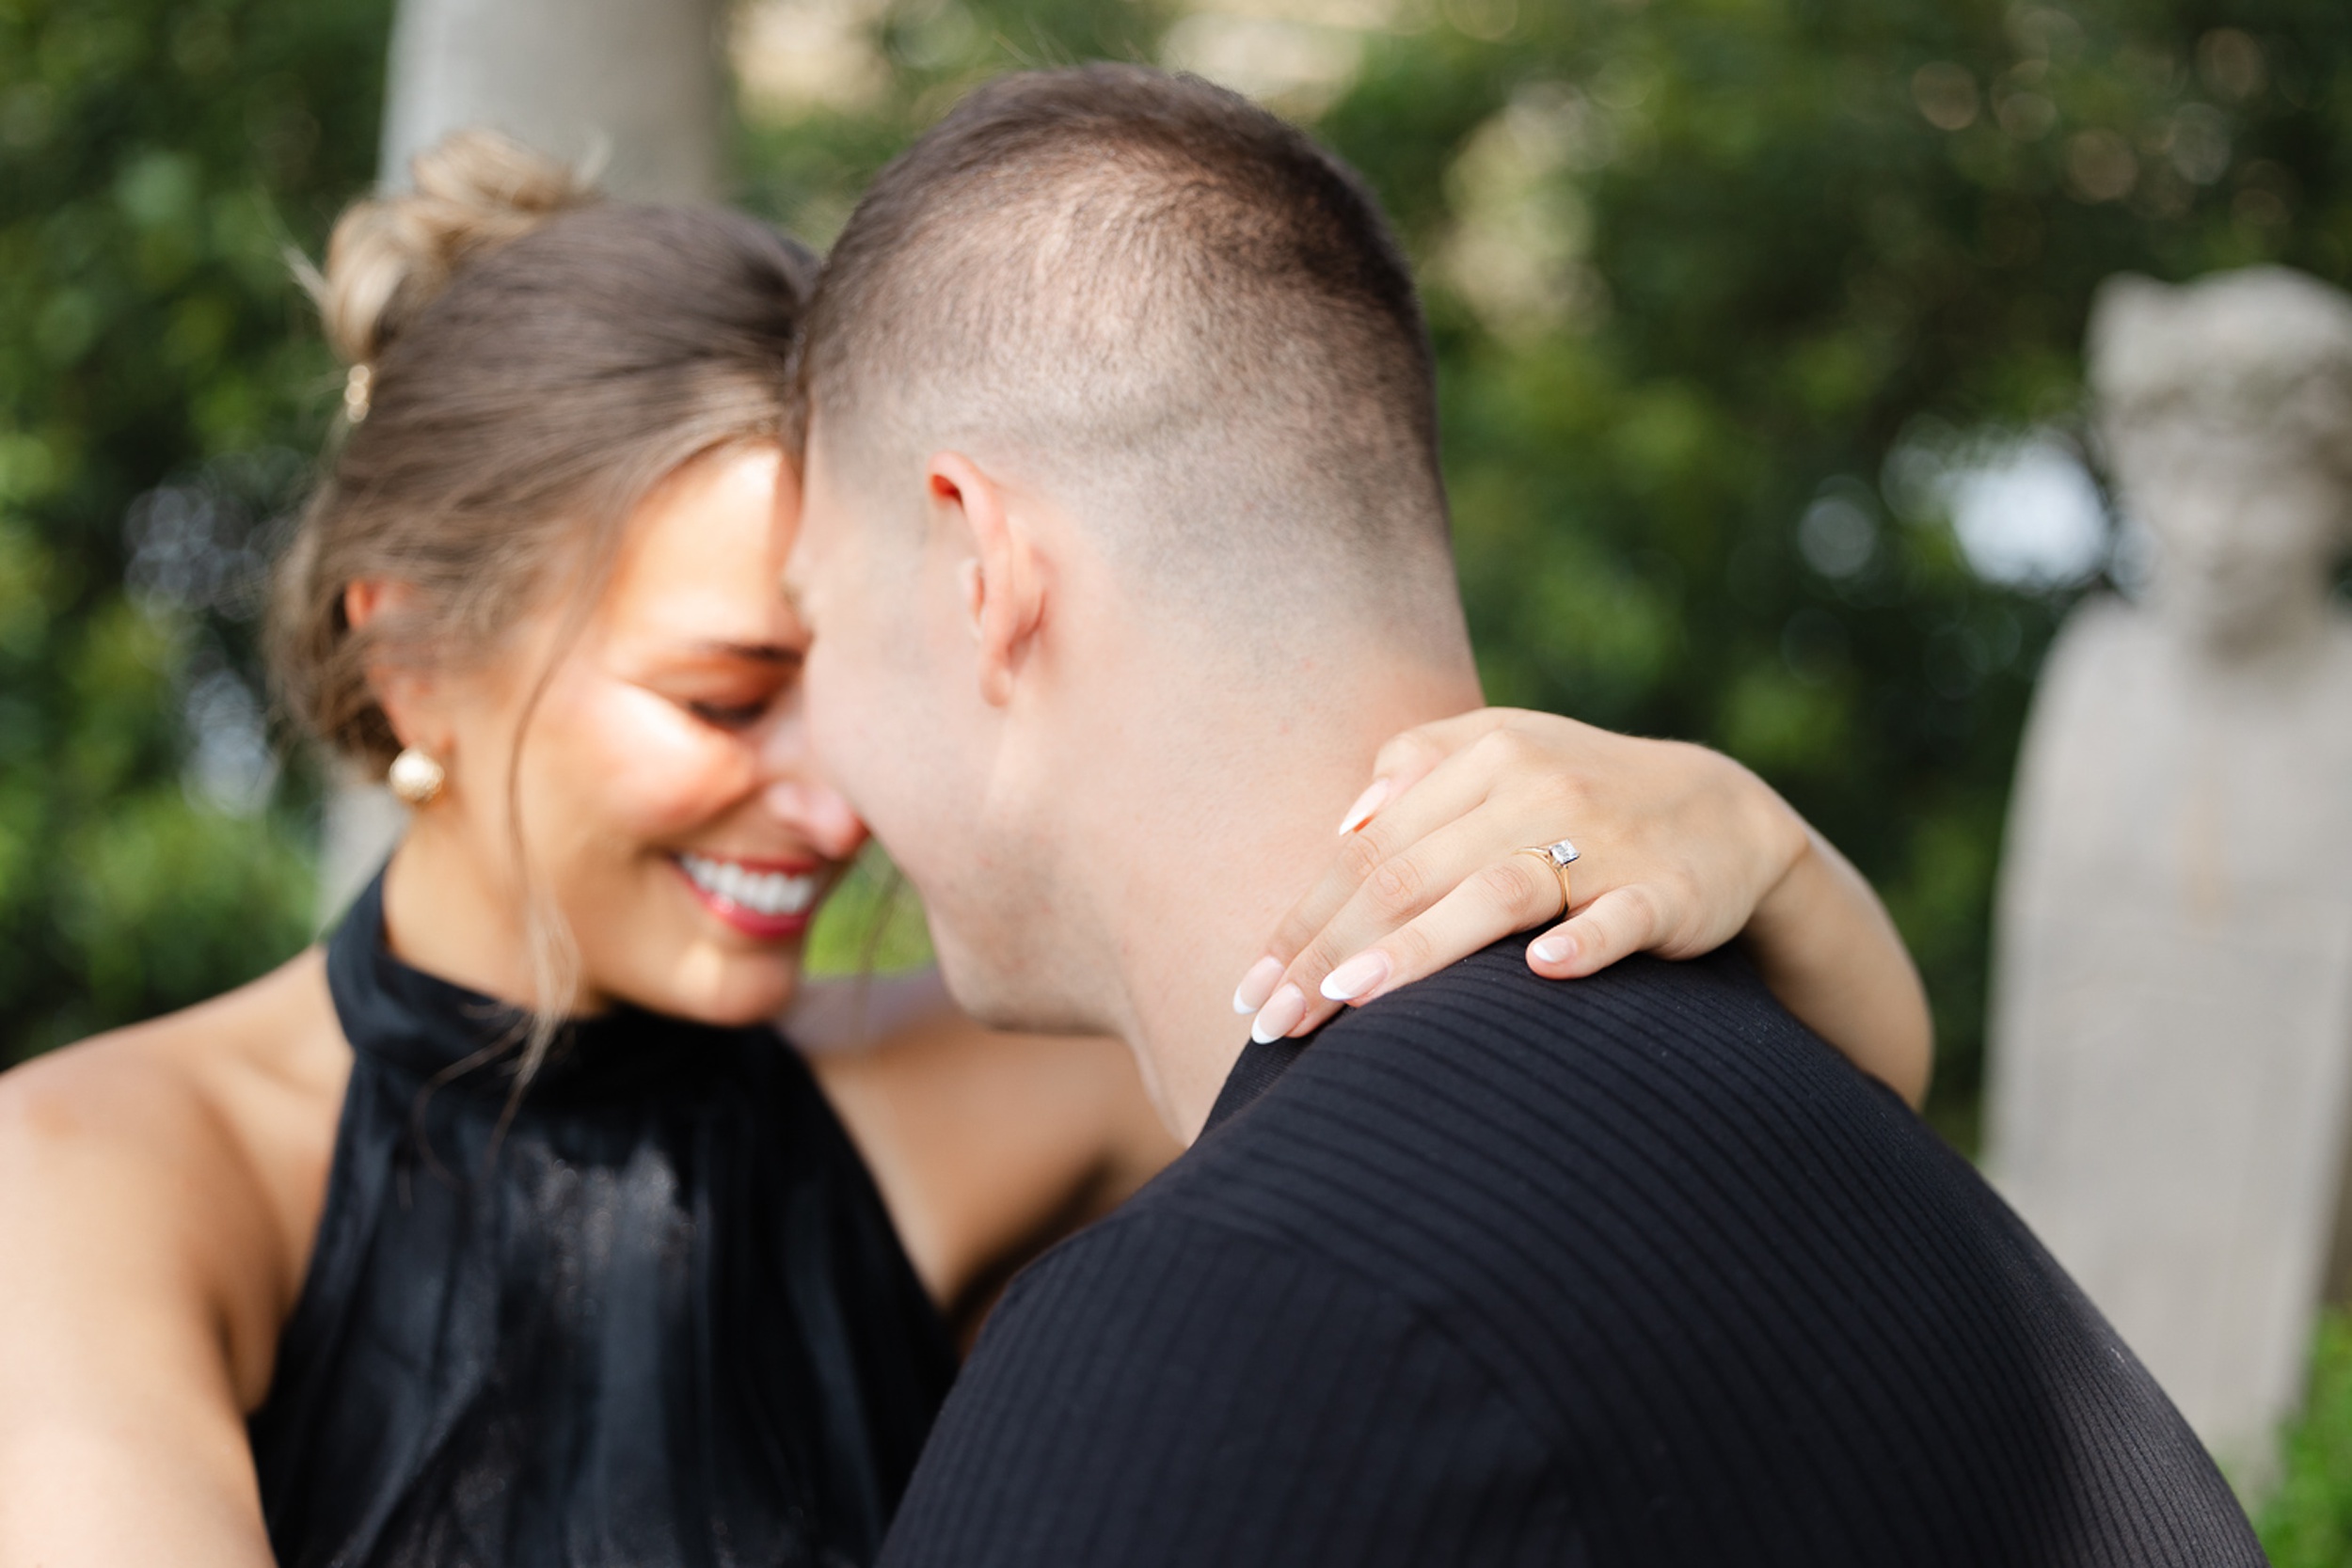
415, 777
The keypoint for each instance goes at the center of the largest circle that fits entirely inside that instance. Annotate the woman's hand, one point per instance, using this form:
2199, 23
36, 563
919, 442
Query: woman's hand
1681, 849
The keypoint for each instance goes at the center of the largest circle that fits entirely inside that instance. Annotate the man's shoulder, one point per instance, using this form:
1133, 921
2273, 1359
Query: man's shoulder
1544, 1172
1167, 1388
1636, 1253
1552, 1175
1488, 1104
1490, 1030
1491, 1005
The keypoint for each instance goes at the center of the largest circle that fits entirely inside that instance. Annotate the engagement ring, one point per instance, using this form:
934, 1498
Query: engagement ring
1557, 856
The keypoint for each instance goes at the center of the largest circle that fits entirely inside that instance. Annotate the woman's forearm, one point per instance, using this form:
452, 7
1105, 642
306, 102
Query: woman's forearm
1826, 946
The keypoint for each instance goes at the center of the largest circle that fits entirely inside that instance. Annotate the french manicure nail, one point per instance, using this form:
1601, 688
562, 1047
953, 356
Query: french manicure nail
1280, 1016
1375, 795
1361, 974
1256, 985
1553, 950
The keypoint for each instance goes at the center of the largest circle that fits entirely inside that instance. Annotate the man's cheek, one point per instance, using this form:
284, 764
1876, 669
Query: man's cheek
825, 707
852, 728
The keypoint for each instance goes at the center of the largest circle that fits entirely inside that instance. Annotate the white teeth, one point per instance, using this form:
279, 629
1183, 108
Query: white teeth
769, 893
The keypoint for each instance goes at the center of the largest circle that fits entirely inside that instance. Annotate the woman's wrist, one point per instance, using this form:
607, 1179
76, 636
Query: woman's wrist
1782, 914
1790, 846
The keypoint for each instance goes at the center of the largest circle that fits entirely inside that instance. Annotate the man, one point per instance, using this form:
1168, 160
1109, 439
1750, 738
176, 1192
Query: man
1124, 548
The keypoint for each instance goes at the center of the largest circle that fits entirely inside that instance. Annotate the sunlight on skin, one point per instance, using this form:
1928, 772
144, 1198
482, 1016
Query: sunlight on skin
674, 814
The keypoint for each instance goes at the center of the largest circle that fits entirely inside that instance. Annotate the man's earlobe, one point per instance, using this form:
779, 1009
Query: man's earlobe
1003, 581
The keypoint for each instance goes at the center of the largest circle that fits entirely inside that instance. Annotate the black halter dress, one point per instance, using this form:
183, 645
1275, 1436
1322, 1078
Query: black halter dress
663, 1319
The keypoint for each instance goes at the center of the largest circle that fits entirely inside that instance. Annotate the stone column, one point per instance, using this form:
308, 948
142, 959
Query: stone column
638, 83
637, 86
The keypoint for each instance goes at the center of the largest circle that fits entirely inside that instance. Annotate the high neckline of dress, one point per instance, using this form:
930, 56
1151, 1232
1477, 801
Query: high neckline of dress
394, 1012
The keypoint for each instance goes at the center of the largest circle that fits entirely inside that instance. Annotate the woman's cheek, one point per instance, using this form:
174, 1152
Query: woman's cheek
663, 771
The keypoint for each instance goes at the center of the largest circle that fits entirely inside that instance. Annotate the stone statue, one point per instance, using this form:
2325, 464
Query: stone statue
2171, 1072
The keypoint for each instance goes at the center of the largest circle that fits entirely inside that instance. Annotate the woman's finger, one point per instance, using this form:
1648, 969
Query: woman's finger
1446, 897
1368, 858
1619, 923
1408, 757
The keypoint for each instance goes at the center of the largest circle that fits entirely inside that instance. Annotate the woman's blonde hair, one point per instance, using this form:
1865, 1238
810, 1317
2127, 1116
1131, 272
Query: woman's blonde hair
530, 362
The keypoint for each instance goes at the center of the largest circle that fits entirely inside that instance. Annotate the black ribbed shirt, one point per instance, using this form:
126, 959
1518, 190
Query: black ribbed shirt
1631, 1270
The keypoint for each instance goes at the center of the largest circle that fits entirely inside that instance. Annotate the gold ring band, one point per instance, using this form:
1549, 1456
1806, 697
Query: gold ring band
1557, 865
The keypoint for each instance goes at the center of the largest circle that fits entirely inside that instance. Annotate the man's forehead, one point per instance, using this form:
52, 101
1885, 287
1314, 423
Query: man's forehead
822, 532
820, 486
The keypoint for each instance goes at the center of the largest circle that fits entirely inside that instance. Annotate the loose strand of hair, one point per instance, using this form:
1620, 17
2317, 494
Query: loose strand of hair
548, 943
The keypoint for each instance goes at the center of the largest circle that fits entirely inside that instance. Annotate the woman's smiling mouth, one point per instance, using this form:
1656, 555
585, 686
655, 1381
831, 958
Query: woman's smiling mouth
765, 901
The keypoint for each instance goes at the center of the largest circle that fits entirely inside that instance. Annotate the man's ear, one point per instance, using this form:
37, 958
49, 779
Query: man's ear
1004, 581
409, 697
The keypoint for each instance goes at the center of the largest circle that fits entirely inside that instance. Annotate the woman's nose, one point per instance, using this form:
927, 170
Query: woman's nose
818, 812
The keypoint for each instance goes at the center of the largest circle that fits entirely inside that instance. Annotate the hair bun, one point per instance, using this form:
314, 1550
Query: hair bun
390, 255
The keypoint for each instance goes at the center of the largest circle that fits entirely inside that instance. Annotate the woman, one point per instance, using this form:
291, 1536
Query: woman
501, 1229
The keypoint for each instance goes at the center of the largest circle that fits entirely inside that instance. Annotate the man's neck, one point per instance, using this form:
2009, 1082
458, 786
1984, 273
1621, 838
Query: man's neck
1228, 839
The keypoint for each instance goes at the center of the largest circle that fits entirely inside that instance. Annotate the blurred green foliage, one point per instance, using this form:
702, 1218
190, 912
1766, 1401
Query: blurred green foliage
870, 924
157, 384
2306, 1523
1702, 270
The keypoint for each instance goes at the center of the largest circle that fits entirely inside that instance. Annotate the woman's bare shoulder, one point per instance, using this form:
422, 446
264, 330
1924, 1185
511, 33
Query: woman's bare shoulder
183, 1079
179, 1164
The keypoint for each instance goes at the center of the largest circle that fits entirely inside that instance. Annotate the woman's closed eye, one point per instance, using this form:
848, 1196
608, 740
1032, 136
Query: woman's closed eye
732, 714
729, 686
732, 704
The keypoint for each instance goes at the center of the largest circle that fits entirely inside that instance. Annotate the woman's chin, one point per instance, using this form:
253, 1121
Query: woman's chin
724, 988
744, 1017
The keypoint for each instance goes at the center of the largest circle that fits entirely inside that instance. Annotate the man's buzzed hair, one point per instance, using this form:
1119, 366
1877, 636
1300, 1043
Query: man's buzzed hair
1174, 307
